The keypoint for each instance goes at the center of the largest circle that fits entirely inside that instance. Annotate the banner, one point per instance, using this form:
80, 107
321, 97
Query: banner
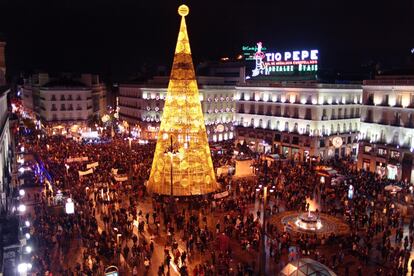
92, 165
77, 159
120, 178
221, 195
81, 173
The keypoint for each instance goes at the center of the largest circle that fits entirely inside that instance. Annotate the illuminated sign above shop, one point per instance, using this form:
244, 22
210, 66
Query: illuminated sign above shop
273, 62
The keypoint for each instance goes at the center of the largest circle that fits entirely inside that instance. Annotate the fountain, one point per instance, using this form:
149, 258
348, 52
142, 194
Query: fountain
308, 221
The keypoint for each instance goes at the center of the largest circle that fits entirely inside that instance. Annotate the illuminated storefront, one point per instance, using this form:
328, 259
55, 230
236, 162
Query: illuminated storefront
387, 127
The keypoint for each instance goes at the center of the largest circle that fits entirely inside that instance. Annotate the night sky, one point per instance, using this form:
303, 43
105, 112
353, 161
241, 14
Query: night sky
121, 37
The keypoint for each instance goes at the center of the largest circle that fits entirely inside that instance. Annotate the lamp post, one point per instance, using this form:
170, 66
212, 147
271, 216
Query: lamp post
263, 229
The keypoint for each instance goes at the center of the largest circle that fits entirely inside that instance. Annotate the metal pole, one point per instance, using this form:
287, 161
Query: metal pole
263, 230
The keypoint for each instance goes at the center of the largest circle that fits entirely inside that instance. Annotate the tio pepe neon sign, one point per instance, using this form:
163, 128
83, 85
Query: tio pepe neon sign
289, 61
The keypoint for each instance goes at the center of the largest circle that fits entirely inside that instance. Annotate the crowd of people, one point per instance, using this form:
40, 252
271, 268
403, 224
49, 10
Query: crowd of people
118, 222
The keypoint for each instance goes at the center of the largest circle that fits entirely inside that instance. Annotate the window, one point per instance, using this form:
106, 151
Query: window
269, 124
287, 111
62, 107
295, 127
399, 101
296, 113
367, 149
261, 110
308, 115
382, 152
62, 97
269, 110
394, 154
286, 126
295, 140
324, 116
277, 137
277, 112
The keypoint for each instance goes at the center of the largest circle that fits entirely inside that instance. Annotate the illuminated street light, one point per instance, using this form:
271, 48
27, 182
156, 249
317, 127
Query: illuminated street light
22, 192
28, 249
23, 268
27, 223
21, 208
27, 235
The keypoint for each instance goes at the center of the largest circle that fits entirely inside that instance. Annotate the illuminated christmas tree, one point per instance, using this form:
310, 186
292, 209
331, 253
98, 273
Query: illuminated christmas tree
182, 164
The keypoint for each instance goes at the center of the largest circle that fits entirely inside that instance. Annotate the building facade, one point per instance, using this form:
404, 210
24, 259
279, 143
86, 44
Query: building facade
5, 150
299, 120
5, 136
142, 105
64, 100
387, 127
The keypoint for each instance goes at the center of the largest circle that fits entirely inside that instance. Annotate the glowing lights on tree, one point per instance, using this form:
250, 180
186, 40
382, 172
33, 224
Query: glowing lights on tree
192, 167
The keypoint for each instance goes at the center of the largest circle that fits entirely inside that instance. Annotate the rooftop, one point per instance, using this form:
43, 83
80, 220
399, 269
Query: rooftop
64, 84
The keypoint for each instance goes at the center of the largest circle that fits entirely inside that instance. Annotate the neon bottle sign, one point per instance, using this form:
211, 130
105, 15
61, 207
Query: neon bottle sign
288, 61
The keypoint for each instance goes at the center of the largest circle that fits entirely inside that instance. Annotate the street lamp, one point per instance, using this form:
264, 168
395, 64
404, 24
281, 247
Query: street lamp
21, 208
262, 230
23, 268
28, 249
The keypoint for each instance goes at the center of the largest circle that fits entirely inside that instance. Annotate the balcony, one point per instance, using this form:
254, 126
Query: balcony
396, 123
409, 125
383, 122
